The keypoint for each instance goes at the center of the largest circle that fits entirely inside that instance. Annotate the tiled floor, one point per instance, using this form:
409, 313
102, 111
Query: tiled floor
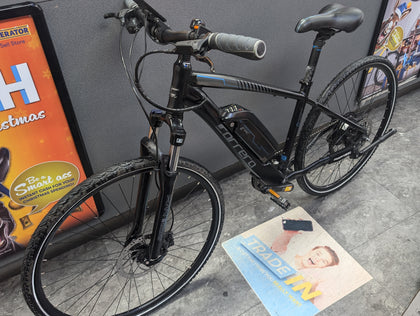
376, 218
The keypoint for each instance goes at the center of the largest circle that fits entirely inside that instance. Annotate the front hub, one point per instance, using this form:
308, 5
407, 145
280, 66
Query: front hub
135, 258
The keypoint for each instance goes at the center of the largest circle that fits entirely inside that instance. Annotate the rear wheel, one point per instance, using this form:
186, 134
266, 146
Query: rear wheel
355, 94
101, 273
380, 76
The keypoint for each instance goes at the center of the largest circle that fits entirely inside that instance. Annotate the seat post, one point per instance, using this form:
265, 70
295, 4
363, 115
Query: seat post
319, 42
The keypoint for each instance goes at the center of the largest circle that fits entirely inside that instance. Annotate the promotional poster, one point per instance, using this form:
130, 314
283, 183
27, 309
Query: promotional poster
399, 36
294, 266
39, 162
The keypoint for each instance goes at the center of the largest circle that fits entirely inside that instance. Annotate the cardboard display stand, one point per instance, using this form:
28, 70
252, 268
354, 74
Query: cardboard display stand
295, 269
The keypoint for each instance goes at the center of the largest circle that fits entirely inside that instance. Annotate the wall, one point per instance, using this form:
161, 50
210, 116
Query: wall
109, 117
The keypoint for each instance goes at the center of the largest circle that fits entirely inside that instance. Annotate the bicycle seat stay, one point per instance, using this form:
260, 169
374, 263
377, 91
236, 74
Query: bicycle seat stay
333, 16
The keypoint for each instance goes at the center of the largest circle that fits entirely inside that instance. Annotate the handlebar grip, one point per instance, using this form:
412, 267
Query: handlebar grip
243, 46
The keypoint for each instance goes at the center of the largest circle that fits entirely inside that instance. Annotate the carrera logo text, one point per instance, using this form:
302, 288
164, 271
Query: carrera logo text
242, 154
13, 32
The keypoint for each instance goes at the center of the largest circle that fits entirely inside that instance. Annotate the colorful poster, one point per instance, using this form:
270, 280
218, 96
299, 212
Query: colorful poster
399, 37
39, 162
294, 266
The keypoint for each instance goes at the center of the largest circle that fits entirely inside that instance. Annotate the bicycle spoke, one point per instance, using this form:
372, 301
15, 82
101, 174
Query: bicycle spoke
100, 291
160, 280
85, 223
80, 261
103, 275
371, 112
171, 266
164, 275
189, 228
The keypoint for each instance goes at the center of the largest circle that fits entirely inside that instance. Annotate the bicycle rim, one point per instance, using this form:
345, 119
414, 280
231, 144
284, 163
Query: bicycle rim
355, 94
380, 76
102, 276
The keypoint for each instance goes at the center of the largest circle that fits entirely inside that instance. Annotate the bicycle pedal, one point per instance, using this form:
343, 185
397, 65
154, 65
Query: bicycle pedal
287, 187
280, 201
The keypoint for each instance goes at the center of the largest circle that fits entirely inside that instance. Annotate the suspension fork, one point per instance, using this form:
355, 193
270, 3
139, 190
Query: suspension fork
167, 164
161, 240
167, 176
147, 148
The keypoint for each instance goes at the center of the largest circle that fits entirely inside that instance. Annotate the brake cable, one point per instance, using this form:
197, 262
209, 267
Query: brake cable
133, 87
143, 93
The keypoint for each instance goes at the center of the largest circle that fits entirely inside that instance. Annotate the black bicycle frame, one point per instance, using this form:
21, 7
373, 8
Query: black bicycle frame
241, 131
273, 169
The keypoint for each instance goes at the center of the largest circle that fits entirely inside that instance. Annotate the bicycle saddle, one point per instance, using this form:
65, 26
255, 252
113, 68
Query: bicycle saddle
333, 16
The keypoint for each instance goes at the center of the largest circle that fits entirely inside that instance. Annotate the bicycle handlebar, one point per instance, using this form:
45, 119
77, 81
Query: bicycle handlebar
247, 47
165, 35
243, 46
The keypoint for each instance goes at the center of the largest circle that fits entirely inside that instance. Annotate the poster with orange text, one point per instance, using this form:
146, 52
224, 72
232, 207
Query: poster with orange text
39, 161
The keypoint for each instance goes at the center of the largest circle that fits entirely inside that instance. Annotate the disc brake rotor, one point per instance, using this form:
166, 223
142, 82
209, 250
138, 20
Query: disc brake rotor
131, 261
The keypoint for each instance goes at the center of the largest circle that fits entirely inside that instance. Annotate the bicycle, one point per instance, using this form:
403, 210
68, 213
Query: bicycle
163, 214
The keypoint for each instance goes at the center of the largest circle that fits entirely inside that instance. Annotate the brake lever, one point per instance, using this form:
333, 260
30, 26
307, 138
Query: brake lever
200, 29
206, 60
128, 18
132, 23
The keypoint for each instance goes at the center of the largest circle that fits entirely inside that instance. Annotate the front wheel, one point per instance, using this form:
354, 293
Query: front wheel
79, 261
356, 94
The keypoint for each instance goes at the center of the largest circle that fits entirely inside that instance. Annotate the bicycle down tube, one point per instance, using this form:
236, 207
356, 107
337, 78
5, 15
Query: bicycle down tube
212, 115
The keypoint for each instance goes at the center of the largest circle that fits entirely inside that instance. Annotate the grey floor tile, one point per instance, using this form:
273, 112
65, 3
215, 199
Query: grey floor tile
219, 289
405, 118
407, 113
258, 309
409, 100
238, 191
360, 211
393, 257
371, 299
11, 298
396, 167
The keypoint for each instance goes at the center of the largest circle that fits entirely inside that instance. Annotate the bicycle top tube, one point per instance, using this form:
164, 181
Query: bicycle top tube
210, 80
